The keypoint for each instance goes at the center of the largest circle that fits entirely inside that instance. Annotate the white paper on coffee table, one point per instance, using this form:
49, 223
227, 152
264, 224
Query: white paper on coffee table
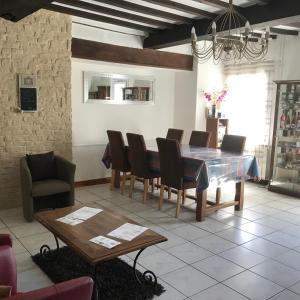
79, 215
127, 231
105, 242
84, 213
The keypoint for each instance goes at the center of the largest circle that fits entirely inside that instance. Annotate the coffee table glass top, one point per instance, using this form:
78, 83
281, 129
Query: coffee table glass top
77, 237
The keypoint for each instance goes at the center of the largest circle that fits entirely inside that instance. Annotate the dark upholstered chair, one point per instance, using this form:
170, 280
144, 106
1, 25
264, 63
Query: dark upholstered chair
138, 158
119, 157
200, 138
54, 192
171, 170
175, 134
76, 289
233, 143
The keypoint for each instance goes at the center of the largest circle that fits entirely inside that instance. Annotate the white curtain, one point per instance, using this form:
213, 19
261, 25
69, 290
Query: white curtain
249, 106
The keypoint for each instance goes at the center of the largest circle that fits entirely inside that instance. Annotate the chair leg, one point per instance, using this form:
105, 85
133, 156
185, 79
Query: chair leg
161, 198
146, 187
132, 181
218, 196
152, 185
112, 180
179, 195
169, 193
183, 196
124, 177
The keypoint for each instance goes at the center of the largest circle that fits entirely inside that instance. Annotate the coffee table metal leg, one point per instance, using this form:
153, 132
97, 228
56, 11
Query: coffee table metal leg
148, 277
96, 289
46, 248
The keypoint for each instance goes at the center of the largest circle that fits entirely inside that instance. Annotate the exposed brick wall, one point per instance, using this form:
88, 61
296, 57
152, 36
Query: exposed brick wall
39, 44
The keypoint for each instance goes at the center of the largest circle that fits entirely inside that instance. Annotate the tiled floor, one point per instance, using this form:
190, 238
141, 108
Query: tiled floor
252, 254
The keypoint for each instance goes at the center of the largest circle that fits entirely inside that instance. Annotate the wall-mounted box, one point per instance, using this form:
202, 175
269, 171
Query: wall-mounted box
27, 93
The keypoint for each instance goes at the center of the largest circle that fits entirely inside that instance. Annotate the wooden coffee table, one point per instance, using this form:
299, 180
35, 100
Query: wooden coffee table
77, 238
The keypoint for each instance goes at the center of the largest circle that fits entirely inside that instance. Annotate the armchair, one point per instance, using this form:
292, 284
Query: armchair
47, 193
76, 289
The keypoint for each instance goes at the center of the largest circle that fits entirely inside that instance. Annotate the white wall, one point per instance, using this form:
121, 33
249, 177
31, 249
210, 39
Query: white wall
90, 121
178, 102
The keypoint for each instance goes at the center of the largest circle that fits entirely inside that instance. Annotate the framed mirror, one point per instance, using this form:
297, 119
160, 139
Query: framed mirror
117, 88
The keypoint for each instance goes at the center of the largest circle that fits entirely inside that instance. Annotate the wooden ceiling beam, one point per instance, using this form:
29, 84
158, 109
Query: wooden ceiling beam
256, 14
92, 50
15, 10
146, 10
183, 8
95, 17
284, 31
115, 13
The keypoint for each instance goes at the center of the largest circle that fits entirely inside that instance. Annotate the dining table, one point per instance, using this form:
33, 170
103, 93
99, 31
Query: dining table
209, 167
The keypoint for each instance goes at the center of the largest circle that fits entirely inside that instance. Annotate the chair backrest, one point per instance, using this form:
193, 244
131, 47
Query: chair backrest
233, 143
200, 138
175, 134
171, 163
117, 149
137, 155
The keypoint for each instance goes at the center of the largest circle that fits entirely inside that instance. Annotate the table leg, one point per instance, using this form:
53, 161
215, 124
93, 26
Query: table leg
117, 179
46, 248
148, 277
95, 295
239, 195
201, 205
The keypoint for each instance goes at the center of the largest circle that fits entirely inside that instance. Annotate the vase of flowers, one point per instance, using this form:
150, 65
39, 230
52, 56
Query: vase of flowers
215, 99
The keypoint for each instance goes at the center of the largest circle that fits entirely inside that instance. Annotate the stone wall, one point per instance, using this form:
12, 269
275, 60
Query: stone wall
39, 44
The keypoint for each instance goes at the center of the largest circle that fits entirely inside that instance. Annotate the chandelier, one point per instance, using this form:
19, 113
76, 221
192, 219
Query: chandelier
225, 40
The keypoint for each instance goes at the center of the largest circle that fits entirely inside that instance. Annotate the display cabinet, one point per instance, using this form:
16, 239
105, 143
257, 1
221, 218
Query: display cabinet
285, 157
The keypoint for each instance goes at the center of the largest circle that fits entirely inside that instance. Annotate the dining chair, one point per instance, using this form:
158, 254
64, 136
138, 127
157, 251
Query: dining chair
200, 138
119, 157
175, 134
172, 171
138, 159
231, 143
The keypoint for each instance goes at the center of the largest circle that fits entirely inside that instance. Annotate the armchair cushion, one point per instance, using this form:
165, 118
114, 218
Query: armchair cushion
75, 289
8, 277
49, 187
5, 239
42, 166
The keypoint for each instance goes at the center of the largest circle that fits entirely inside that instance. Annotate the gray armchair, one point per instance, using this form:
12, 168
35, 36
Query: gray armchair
48, 193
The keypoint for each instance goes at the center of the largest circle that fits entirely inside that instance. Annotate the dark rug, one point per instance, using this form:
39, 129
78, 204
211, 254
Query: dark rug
116, 278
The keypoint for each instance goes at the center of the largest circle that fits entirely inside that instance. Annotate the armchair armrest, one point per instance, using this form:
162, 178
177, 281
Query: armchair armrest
76, 289
5, 240
65, 169
26, 179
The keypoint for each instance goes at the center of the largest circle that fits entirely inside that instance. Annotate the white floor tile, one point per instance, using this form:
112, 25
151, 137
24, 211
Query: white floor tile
189, 252
243, 257
214, 243
277, 272
265, 247
188, 280
218, 267
218, 292
253, 286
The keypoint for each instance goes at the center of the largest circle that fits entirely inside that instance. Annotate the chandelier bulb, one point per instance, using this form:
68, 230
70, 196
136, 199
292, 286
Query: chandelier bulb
194, 35
267, 32
247, 28
214, 28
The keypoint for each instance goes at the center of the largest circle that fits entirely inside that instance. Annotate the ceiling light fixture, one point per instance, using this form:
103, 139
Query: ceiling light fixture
226, 40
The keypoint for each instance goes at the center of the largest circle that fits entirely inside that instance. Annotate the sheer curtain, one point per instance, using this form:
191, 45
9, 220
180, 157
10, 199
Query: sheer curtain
249, 107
